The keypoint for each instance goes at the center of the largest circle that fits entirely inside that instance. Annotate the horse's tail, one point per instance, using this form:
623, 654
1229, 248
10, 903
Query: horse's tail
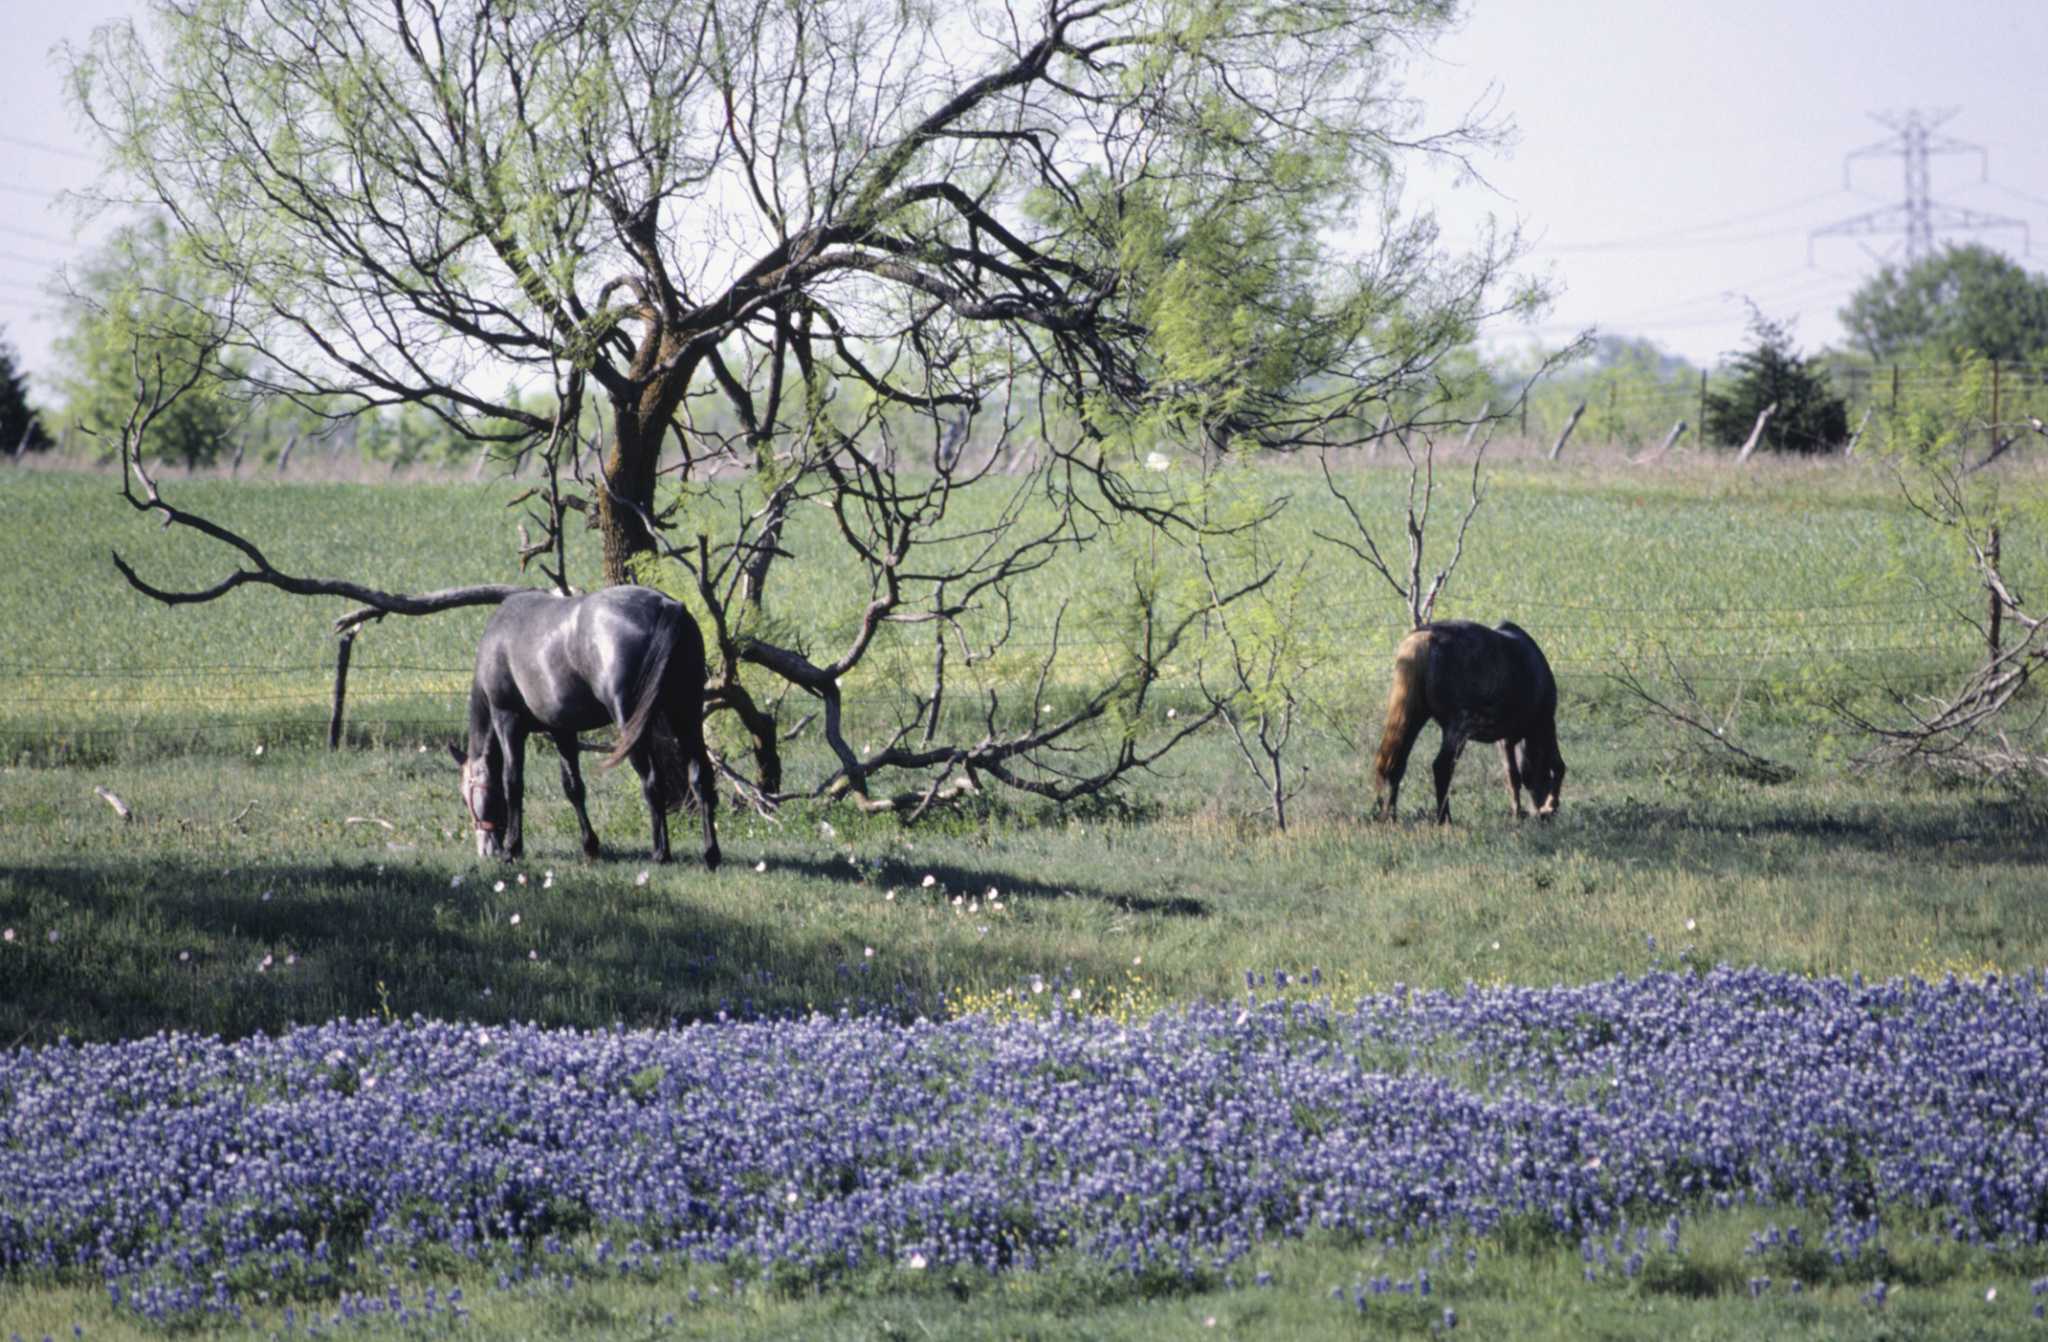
1407, 705
646, 712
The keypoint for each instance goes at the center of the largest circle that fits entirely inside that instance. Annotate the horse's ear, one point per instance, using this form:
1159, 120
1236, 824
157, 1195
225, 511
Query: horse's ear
460, 757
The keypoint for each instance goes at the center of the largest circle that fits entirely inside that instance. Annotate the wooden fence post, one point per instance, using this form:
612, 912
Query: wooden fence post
1857, 436
1569, 425
1756, 434
1703, 409
1996, 611
1677, 430
1485, 408
341, 655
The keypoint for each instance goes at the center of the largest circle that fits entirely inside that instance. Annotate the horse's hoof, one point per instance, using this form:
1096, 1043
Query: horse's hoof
711, 858
590, 848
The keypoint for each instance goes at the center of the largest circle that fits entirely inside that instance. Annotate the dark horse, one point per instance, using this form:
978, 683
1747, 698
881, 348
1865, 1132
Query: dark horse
564, 665
1478, 684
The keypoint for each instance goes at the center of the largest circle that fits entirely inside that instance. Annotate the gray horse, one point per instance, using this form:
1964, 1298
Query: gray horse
563, 665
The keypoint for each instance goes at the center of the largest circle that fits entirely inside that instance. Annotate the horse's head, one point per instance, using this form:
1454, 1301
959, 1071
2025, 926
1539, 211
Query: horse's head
485, 798
1542, 770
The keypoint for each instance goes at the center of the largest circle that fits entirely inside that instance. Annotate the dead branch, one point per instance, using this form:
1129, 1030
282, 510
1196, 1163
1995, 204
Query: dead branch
120, 807
154, 397
1694, 716
1966, 731
1422, 486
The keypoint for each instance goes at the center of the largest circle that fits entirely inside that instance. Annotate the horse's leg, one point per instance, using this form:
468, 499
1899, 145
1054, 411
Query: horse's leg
704, 783
512, 739
1446, 761
572, 787
653, 787
1397, 740
1407, 712
686, 724
1514, 773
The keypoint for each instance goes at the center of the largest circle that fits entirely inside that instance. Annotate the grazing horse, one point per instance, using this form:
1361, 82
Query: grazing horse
1478, 684
564, 665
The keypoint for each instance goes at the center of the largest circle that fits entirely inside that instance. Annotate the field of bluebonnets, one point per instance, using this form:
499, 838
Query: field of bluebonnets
1704, 1056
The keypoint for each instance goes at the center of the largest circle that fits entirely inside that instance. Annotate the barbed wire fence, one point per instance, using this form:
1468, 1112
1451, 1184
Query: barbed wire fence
1624, 410
58, 712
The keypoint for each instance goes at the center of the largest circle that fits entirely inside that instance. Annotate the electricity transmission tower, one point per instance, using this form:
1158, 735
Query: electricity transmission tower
1918, 215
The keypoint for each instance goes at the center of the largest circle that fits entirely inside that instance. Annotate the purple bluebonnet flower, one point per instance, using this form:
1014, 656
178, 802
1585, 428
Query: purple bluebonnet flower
834, 1141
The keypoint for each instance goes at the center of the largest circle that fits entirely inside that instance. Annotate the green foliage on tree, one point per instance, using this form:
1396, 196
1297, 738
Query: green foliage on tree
691, 201
1809, 416
1962, 299
21, 430
810, 241
141, 321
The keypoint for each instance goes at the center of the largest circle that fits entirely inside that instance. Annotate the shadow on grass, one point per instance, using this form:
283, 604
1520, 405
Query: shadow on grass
1979, 832
179, 945
971, 881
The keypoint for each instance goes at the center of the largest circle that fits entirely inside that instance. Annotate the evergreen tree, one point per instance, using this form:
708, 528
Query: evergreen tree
20, 429
1809, 417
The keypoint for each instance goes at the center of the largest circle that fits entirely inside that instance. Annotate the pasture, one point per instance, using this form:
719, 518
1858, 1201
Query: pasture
263, 885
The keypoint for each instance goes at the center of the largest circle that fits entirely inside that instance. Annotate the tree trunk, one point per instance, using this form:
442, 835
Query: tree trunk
625, 507
754, 573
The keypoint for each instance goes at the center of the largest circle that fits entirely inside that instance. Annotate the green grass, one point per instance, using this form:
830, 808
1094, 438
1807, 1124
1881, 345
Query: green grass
164, 921
1703, 1290
355, 875
1788, 585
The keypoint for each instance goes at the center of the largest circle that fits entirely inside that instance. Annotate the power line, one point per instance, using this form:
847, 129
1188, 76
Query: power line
1674, 236
45, 147
1918, 214
1677, 243
32, 236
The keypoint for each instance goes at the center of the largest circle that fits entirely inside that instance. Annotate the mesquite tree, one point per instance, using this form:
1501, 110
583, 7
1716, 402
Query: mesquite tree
1989, 723
772, 238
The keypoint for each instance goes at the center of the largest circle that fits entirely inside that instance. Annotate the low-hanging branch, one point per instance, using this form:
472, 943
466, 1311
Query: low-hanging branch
154, 397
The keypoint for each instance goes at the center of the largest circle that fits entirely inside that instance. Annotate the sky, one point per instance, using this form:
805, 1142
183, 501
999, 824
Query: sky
1671, 158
